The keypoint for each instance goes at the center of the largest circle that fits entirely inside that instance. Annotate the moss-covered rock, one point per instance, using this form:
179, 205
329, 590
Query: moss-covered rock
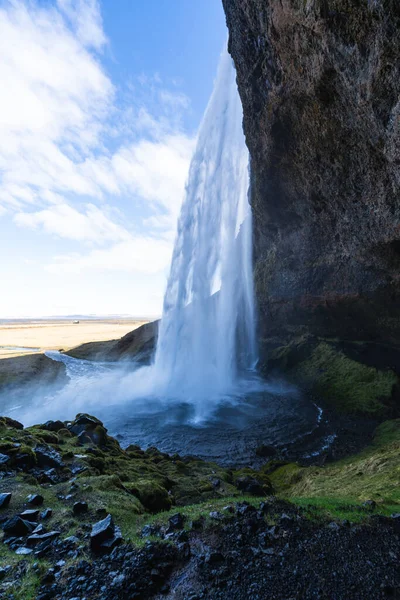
344, 382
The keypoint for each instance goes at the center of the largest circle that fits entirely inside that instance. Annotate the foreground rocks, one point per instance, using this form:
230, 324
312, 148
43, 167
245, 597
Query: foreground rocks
75, 514
267, 550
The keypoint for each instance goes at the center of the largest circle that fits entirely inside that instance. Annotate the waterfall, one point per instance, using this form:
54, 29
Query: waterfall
207, 336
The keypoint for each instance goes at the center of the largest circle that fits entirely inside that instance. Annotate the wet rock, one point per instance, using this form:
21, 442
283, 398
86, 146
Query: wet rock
30, 515
23, 551
53, 426
39, 529
17, 527
35, 499
176, 521
5, 499
244, 508
4, 458
104, 535
37, 538
216, 515
80, 508
46, 514
48, 457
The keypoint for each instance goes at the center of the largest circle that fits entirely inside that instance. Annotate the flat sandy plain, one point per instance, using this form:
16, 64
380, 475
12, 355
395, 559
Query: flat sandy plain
26, 336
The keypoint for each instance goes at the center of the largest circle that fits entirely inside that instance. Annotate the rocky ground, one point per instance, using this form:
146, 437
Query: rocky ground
84, 518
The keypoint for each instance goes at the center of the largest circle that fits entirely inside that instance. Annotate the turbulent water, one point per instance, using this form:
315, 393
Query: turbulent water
207, 328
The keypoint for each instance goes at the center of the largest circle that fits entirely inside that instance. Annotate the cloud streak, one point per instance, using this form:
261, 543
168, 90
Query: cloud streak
72, 158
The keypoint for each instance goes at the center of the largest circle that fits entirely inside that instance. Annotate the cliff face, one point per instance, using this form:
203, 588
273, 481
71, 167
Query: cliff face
320, 86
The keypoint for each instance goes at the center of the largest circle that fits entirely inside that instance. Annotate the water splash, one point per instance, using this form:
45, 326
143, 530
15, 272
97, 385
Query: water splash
207, 334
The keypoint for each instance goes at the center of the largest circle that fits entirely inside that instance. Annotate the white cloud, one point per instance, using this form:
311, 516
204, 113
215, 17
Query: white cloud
85, 16
63, 220
78, 155
140, 255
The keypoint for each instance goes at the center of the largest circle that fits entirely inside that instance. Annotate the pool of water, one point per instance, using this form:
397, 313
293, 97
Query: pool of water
228, 432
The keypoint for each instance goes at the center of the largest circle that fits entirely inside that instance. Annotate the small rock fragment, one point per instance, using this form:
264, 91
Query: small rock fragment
35, 499
5, 499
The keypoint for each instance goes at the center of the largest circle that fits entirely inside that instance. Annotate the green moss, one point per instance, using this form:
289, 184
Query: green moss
373, 474
285, 476
346, 384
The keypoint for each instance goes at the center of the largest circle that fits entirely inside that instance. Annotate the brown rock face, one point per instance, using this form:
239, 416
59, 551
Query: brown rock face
320, 86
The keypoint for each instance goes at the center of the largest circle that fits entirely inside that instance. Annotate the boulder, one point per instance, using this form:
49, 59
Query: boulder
48, 457
35, 499
5, 499
4, 458
104, 535
30, 515
176, 521
53, 426
80, 507
17, 527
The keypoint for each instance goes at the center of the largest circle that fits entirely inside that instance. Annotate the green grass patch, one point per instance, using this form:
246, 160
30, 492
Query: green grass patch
346, 384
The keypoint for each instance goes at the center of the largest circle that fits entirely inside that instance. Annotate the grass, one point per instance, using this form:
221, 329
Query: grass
373, 474
346, 384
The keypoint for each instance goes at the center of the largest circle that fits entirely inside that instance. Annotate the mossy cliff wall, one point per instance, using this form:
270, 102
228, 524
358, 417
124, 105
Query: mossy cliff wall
320, 87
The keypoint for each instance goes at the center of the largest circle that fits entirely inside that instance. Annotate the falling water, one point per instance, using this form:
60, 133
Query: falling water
206, 337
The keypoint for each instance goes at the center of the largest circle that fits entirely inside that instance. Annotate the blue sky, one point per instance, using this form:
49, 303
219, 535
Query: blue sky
99, 110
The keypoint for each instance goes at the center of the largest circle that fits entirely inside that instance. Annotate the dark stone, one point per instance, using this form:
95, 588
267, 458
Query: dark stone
30, 515
324, 166
37, 538
48, 457
17, 527
4, 459
244, 508
5, 499
80, 507
23, 551
53, 426
35, 500
176, 521
46, 514
102, 531
12, 423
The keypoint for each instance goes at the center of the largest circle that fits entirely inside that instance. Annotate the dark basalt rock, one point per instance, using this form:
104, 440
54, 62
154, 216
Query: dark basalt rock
48, 457
17, 527
46, 514
80, 507
104, 535
5, 499
35, 499
4, 458
320, 91
176, 522
37, 538
30, 515
12, 423
53, 426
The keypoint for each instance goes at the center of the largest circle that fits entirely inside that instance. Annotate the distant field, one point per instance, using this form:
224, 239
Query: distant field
24, 337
